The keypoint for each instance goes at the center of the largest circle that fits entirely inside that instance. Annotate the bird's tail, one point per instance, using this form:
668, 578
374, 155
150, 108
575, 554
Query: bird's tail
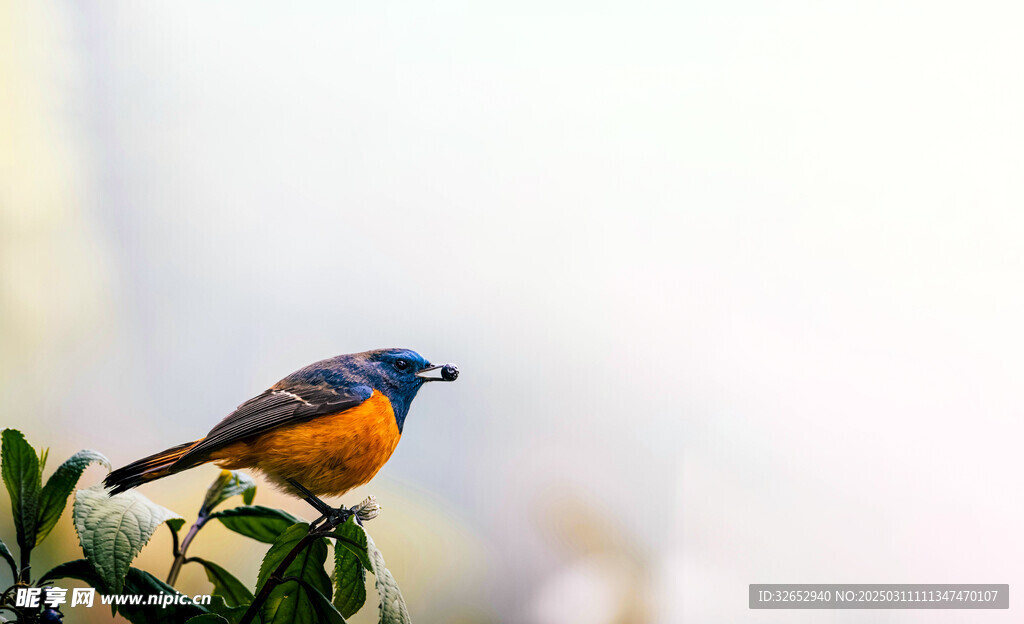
146, 469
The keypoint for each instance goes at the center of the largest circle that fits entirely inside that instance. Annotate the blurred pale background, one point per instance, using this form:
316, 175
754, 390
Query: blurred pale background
735, 287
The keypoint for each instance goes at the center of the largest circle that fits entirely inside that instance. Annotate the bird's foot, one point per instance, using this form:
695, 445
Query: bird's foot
366, 510
330, 519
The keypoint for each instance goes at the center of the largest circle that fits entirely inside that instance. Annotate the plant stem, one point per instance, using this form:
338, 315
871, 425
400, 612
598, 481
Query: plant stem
179, 554
26, 567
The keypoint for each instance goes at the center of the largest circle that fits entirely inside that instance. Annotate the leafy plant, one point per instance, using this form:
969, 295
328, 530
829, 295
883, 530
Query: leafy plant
293, 585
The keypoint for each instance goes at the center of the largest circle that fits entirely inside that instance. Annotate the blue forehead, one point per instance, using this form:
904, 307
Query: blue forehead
390, 355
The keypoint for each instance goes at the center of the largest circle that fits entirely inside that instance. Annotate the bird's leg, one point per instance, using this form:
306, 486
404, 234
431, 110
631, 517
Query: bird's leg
329, 516
310, 498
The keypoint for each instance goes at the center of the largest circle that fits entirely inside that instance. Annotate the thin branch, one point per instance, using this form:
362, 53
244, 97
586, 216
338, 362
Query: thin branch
179, 554
175, 550
26, 566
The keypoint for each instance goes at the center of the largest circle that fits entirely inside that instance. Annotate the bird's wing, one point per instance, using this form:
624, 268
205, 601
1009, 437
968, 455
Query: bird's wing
284, 404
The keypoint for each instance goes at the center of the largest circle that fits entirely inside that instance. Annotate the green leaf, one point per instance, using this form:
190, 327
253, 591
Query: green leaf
113, 529
20, 472
79, 569
234, 592
137, 582
291, 602
232, 614
349, 571
260, 523
228, 484
9, 558
59, 486
207, 618
356, 540
392, 605
325, 611
350, 582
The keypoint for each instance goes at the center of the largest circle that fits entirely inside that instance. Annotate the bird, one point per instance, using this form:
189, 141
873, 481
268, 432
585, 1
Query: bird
320, 431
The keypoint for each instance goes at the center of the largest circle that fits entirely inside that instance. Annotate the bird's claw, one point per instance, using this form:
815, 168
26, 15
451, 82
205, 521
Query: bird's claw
366, 510
331, 519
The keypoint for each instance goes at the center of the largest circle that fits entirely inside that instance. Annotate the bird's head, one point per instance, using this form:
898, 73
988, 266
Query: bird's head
400, 373
406, 369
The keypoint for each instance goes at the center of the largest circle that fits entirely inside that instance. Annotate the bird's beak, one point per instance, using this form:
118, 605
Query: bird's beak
439, 372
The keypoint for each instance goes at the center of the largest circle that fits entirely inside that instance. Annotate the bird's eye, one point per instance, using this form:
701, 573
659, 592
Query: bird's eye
401, 364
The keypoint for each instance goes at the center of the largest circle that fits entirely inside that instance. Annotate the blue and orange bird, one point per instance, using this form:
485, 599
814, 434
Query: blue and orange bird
322, 430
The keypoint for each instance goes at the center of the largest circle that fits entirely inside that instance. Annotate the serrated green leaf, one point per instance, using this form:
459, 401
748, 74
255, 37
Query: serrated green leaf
113, 529
260, 523
9, 558
228, 484
280, 549
349, 582
350, 563
392, 604
21, 475
291, 602
354, 538
234, 592
59, 486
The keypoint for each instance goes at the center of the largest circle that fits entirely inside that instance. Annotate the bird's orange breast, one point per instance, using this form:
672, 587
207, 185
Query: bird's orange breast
329, 455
